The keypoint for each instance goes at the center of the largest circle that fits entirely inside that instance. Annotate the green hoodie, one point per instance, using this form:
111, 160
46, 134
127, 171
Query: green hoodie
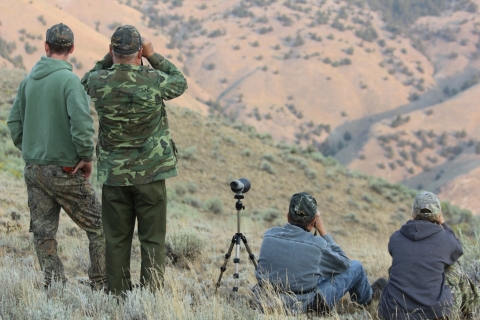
50, 118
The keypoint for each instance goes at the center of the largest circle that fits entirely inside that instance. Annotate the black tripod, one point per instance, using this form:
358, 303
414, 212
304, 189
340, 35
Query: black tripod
236, 241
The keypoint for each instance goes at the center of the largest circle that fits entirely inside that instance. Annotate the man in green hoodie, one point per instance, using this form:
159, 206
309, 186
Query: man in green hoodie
50, 123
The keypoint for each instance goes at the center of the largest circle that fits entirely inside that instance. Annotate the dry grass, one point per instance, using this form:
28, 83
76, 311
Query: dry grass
202, 237
189, 290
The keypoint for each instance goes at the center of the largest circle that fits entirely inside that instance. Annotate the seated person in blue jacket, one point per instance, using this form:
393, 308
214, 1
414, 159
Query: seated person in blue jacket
310, 273
421, 250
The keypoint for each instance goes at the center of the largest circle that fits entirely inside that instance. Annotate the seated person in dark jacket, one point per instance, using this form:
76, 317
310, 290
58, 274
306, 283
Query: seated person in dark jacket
309, 272
420, 250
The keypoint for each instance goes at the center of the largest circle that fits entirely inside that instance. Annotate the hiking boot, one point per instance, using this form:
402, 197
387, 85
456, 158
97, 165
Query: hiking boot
377, 287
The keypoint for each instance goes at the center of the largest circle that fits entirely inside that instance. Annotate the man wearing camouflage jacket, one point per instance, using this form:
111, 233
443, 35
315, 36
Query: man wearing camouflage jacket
50, 123
135, 152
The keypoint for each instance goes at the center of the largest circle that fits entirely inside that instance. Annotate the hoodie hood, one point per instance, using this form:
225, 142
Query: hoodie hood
417, 230
46, 66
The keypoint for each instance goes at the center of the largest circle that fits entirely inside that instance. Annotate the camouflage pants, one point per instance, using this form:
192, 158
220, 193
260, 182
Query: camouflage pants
50, 189
464, 290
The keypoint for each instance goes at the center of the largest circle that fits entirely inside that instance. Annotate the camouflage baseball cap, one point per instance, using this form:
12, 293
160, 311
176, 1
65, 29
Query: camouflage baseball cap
302, 207
60, 35
126, 40
426, 200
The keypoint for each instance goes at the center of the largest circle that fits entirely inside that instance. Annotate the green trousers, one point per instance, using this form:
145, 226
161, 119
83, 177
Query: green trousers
121, 206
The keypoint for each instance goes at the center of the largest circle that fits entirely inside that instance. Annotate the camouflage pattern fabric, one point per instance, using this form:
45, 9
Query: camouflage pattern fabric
465, 292
60, 35
303, 207
134, 141
426, 200
50, 189
126, 40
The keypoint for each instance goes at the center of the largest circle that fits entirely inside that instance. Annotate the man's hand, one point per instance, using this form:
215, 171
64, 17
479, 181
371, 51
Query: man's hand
440, 219
319, 224
85, 167
147, 48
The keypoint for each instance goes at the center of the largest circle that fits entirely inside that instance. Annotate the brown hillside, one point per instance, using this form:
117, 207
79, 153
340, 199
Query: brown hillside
431, 143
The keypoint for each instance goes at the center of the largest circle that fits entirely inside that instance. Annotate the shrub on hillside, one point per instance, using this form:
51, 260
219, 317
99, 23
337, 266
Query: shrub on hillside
214, 205
180, 189
30, 48
351, 217
187, 153
454, 214
41, 19
269, 214
367, 33
242, 11
310, 173
183, 245
267, 166
285, 20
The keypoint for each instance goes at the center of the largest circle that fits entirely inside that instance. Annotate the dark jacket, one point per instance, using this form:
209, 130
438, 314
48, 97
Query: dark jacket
416, 289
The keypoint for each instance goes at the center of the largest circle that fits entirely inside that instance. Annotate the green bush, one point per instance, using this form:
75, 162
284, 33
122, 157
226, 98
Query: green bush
266, 166
269, 157
30, 48
214, 205
310, 173
246, 152
180, 189
270, 214
368, 33
351, 217
187, 153
455, 215
194, 202
192, 187
182, 245
209, 66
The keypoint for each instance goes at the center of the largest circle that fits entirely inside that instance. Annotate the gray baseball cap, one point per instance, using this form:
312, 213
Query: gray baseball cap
426, 200
302, 207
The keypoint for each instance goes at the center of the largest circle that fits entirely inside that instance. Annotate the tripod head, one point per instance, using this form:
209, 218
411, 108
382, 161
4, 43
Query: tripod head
239, 205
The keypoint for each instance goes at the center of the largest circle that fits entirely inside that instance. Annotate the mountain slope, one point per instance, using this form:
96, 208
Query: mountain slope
299, 70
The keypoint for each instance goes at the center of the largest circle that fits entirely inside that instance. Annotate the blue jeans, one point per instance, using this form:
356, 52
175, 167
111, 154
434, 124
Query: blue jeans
353, 280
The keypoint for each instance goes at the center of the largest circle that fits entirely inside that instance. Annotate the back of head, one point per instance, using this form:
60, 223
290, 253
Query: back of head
60, 39
302, 209
126, 41
426, 206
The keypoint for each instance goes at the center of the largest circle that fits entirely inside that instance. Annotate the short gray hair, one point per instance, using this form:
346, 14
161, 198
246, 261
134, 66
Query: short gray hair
299, 222
125, 57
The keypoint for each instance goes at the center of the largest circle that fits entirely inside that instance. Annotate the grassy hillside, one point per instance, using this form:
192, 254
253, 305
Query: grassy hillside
335, 76
359, 211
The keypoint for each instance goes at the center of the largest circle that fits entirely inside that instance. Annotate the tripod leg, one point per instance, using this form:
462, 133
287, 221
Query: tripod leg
250, 254
237, 260
227, 257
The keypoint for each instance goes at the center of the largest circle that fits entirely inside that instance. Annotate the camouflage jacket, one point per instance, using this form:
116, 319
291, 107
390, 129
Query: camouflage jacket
134, 141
